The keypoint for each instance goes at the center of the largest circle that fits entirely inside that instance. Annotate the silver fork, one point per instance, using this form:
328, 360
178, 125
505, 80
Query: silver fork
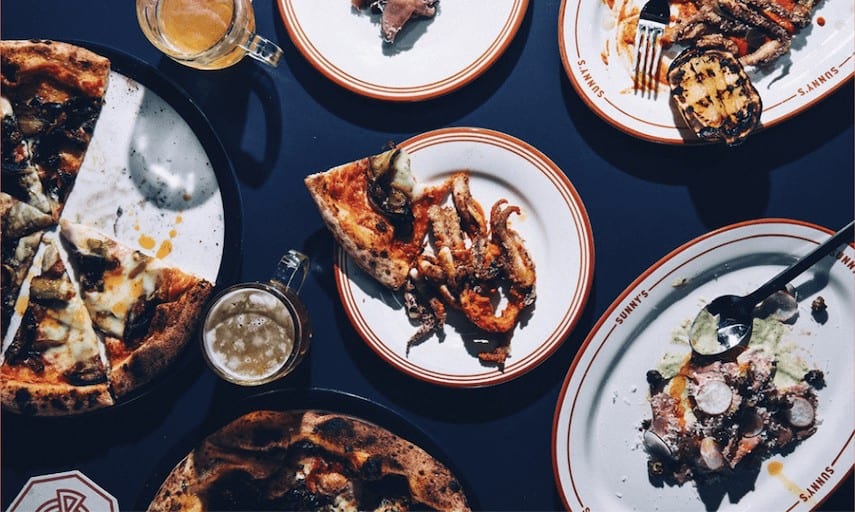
652, 20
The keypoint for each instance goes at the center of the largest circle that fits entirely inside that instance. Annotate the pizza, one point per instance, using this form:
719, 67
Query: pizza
307, 460
145, 310
369, 207
52, 96
88, 337
53, 364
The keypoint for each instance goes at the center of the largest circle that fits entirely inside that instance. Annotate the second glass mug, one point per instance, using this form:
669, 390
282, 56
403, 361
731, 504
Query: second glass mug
205, 34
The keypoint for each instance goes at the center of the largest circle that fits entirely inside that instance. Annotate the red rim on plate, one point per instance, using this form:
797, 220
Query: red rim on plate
583, 398
818, 63
339, 68
562, 248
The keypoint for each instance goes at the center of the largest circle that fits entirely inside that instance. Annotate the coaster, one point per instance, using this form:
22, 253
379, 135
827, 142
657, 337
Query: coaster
70, 491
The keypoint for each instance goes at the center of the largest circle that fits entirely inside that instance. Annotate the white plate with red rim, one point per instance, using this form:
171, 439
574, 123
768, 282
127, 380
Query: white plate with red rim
598, 459
557, 234
820, 60
430, 56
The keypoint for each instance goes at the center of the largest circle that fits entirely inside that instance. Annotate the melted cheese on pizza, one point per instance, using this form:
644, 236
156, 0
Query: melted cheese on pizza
132, 279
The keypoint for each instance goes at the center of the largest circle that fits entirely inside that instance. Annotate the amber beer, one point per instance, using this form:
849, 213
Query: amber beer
205, 34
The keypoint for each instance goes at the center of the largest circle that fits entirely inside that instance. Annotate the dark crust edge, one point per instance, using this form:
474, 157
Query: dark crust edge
47, 399
161, 347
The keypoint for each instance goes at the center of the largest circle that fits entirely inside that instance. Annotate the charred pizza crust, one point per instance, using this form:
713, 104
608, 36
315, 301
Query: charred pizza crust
146, 311
305, 460
171, 327
382, 231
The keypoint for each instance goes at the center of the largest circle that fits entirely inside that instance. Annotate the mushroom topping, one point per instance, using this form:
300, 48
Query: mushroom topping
390, 188
714, 397
801, 412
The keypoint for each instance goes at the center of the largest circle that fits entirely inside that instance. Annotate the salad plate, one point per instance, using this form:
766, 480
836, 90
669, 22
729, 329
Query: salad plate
604, 399
557, 233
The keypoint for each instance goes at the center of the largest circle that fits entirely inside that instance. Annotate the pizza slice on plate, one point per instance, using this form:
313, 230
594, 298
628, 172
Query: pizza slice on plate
52, 97
21, 232
369, 207
53, 365
147, 311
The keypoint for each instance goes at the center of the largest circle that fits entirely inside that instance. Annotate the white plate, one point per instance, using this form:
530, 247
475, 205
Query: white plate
598, 460
557, 233
820, 60
430, 57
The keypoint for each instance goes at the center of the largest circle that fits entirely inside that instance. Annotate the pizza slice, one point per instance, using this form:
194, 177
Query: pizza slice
21, 232
147, 311
54, 93
370, 208
53, 365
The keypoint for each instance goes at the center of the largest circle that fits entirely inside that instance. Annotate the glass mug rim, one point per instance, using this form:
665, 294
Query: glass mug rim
299, 317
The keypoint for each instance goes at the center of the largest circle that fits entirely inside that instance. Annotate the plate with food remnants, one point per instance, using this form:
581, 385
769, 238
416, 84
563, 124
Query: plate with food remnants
113, 205
465, 255
767, 426
779, 58
402, 50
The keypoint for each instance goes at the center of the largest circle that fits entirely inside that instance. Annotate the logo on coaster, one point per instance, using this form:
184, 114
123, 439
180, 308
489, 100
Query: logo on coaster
71, 491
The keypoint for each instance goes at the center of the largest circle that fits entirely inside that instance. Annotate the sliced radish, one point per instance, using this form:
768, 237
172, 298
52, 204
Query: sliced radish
714, 397
801, 412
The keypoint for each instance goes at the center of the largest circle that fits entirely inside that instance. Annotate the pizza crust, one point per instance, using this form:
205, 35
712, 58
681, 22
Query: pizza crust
253, 447
172, 326
64, 65
51, 399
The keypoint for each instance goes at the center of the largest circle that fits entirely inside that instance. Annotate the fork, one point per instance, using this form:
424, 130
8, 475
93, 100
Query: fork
652, 20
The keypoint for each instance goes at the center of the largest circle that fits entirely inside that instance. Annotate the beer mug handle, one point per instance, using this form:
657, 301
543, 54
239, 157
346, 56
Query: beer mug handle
291, 270
263, 50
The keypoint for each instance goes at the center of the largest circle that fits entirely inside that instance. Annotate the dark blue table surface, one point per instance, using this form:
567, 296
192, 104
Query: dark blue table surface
279, 125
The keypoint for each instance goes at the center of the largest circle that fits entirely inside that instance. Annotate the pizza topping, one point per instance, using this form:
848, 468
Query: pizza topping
390, 189
56, 328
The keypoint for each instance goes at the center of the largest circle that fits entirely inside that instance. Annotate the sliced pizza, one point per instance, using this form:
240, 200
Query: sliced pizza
370, 208
147, 311
21, 232
308, 460
53, 94
53, 365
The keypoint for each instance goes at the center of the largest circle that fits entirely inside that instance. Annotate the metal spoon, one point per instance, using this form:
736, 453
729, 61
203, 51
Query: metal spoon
727, 321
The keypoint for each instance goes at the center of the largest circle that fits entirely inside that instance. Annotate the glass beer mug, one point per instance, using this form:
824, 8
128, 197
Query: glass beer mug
205, 34
256, 332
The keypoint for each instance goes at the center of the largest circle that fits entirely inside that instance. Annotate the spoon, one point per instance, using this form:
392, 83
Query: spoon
726, 322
